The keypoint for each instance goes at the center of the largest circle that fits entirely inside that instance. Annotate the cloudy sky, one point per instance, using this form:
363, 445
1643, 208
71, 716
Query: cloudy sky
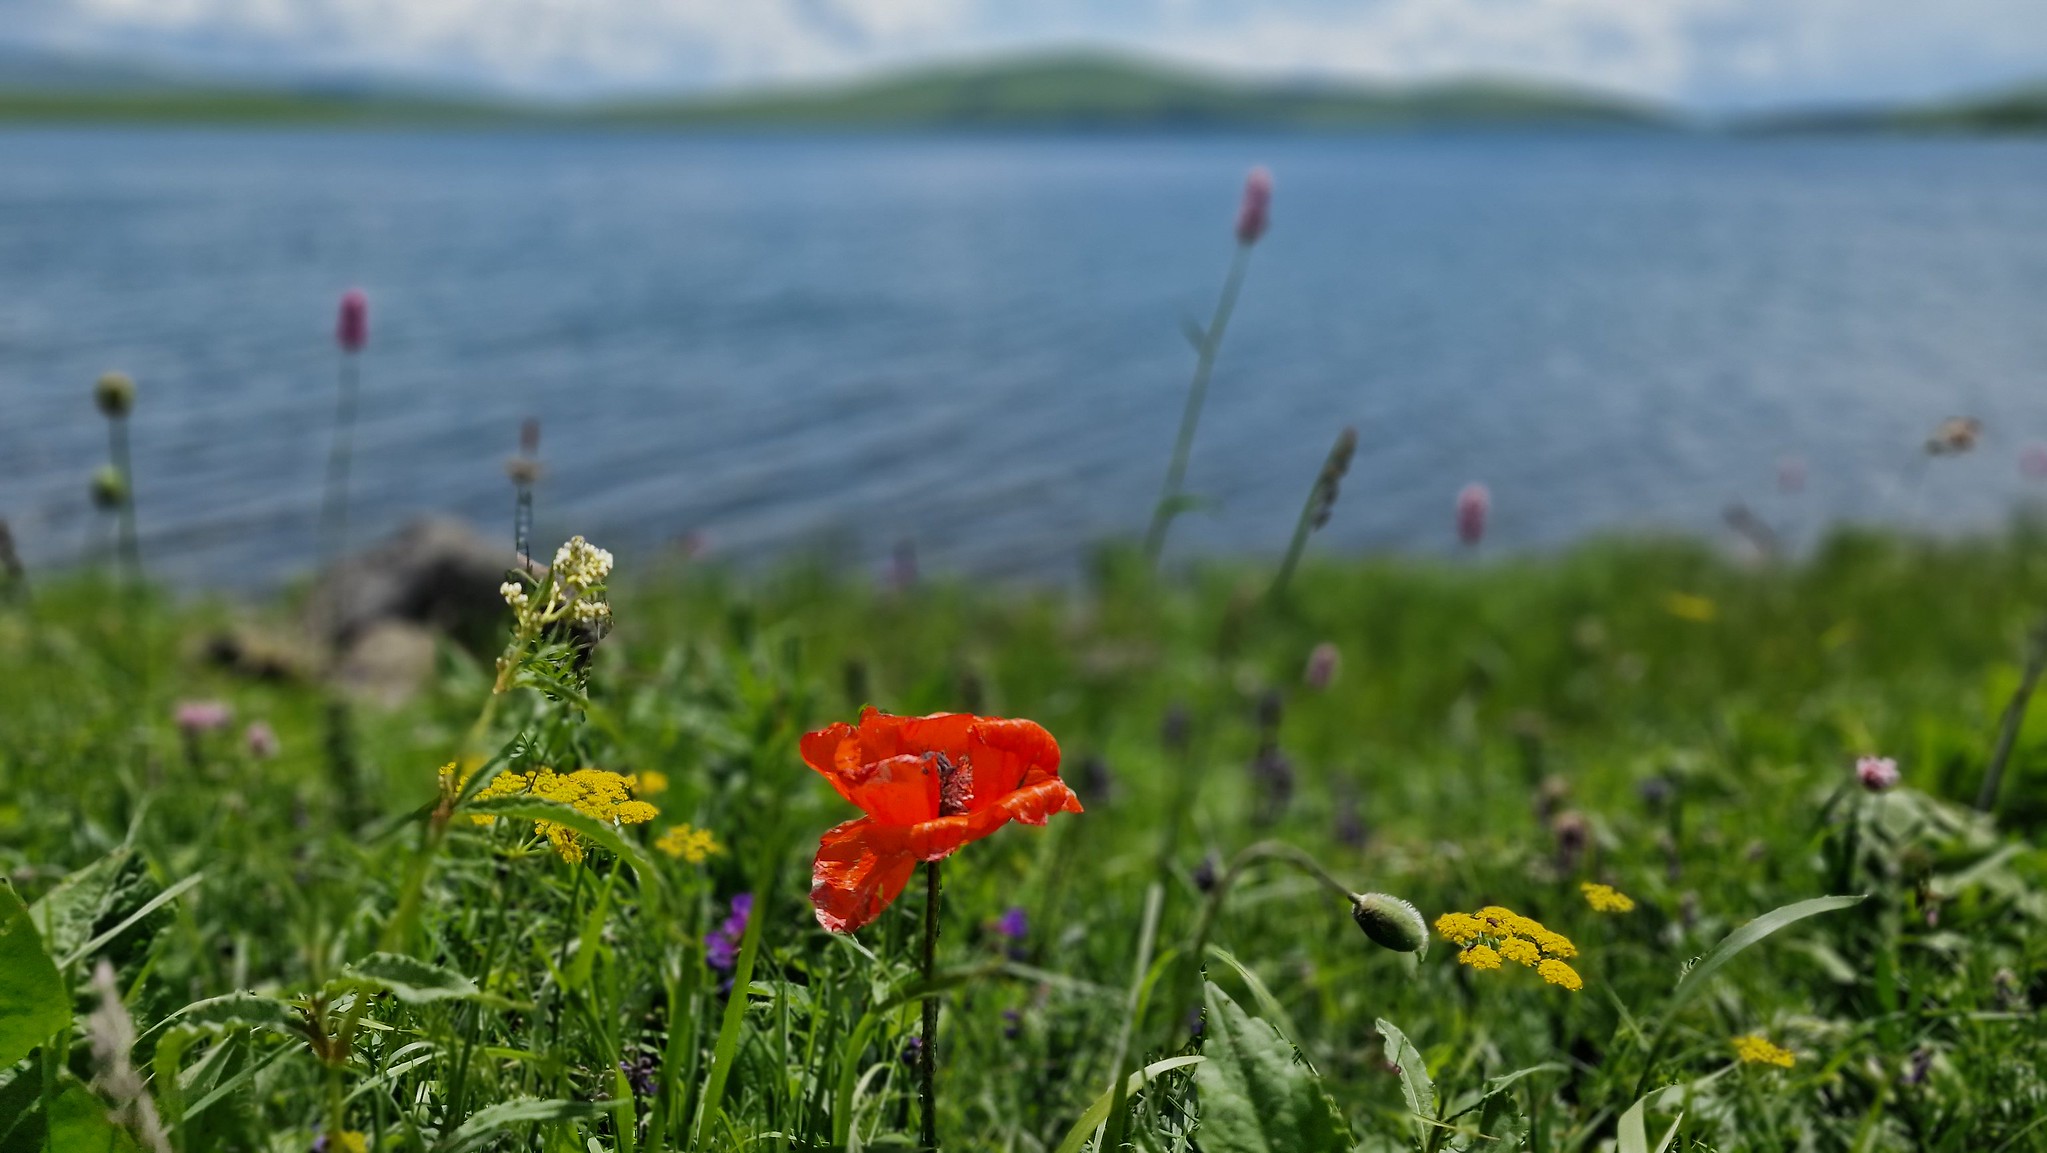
1710, 54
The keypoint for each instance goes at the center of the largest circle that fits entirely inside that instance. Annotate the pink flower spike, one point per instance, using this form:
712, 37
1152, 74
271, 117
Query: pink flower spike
1472, 506
1878, 774
352, 330
1256, 211
196, 717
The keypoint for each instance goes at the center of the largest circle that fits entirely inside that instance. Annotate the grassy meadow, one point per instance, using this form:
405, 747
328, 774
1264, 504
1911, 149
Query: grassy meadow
303, 938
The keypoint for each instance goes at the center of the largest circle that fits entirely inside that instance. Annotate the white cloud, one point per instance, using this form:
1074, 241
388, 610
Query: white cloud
1715, 52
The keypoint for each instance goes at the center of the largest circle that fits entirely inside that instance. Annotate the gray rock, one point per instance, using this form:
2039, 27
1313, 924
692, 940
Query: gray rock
436, 573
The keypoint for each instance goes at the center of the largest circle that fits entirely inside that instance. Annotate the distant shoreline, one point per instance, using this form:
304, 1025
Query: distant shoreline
1074, 92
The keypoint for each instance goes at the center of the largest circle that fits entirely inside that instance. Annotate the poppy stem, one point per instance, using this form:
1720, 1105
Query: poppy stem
927, 1048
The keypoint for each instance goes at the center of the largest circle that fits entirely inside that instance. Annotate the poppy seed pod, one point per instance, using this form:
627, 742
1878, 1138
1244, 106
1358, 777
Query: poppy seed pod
352, 328
109, 488
114, 393
1256, 210
1390, 922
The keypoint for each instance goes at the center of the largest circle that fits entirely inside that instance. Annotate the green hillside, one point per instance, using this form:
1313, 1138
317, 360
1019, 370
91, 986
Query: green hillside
1050, 92
2013, 110
1084, 91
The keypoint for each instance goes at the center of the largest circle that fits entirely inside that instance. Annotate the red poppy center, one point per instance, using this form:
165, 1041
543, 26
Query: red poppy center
955, 784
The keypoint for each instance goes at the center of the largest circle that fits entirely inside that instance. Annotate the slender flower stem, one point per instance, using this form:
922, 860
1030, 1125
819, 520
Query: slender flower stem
334, 508
1190, 417
2014, 718
130, 546
1279, 851
927, 1048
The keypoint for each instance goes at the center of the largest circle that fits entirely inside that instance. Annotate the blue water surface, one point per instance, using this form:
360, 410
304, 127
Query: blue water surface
978, 343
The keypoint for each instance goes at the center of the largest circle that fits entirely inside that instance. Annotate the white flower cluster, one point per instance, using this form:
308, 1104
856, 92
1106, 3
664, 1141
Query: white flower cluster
581, 564
572, 590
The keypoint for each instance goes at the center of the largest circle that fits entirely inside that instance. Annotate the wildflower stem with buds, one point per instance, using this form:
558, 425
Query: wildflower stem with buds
1253, 214
351, 333
1315, 511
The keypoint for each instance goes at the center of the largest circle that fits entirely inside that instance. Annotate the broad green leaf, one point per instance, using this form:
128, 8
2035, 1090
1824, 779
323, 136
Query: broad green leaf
1269, 1005
1689, 985
1256, 1095
131, 920
484, 1124
410, 979
79, 1124
34, 1003
1092, 1119
1414, 1073
101, 900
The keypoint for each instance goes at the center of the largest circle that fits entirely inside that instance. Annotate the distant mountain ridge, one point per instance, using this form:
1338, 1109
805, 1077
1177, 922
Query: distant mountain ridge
1064, 91
1069, 91
1084, 90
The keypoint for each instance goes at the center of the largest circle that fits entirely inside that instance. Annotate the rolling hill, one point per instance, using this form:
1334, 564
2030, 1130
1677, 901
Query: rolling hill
1060, 92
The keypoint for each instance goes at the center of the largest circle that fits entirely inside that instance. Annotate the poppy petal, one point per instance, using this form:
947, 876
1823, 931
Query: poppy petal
893, 789
947, 733
861, 867
1004, 752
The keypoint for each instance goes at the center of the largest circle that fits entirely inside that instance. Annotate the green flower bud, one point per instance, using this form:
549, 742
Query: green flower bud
109, 488
115, 394
1390, 922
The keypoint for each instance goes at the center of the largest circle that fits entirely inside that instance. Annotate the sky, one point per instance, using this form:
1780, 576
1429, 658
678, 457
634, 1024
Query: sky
1725, 55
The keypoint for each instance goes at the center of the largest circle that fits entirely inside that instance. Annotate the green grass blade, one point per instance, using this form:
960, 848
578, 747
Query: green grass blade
1733, 943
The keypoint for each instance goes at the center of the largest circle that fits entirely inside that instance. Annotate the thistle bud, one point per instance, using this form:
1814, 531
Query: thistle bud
1472, 506
109, 488
1390, 922
1256, 210
1878, 774
352, 329
114, 393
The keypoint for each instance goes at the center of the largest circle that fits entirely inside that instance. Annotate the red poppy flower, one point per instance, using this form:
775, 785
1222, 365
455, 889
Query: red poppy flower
928, 785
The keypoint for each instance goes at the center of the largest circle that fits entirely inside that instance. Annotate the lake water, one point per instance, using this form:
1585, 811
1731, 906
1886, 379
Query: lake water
977, 343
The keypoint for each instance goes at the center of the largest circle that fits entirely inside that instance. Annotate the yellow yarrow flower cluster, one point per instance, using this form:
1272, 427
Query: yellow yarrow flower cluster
690, 844
1757, 1050
1495, 934
1606, 898
596, 793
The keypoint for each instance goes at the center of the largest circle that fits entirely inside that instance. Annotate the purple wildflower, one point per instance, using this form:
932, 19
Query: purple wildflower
721, 945
1014, 923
